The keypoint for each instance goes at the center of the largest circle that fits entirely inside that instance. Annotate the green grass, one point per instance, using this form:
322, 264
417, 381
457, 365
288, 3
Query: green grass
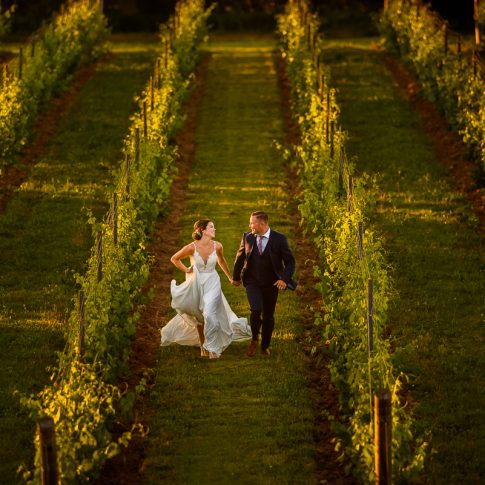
237, 420
438, 256
44, 236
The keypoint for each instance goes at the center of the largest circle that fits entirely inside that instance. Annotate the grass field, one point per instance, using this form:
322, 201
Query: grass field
236, 420
438, 259
45, 238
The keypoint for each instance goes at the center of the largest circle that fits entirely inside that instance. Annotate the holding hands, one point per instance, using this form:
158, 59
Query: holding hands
280, 284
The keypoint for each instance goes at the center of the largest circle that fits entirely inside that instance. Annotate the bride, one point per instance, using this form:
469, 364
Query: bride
204, 317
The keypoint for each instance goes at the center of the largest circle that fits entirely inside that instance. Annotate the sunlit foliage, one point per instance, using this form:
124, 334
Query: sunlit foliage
5, 19
76, 35
451, 78
83, 398
332, 205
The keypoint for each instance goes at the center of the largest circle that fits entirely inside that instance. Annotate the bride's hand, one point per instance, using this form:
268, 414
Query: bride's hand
190, 269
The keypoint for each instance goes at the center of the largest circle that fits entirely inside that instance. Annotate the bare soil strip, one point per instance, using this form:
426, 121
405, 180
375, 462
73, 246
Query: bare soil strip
323, 392
125, 468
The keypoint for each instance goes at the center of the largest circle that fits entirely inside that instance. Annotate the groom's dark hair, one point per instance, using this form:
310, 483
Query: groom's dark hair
262, 216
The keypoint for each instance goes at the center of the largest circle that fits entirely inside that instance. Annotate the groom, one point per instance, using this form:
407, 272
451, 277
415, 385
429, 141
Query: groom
265, 264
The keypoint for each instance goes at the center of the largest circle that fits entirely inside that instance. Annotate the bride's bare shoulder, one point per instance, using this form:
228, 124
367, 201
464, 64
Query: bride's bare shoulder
189, 248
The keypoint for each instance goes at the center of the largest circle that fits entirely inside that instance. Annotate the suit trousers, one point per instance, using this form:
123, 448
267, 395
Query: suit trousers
262, 301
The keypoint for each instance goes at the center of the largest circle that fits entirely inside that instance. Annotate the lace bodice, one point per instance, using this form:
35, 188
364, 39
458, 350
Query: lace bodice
204, 266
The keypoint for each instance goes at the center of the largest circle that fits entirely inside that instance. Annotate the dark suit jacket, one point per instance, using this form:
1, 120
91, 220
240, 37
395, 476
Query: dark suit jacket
282, 258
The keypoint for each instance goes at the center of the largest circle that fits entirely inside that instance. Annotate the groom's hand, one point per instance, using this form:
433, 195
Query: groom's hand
280, 284
236, 283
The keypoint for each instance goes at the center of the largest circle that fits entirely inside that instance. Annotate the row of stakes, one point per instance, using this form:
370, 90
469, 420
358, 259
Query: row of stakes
446, 34
381, 402
46, 428
45, 425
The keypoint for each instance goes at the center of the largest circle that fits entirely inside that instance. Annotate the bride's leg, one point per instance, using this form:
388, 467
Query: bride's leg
200, 330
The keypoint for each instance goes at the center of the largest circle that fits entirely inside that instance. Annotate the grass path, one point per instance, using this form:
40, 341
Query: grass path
44, 236
237, 420
438, 257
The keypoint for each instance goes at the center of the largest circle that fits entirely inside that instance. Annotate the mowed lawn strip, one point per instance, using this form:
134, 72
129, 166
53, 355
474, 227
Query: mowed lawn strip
237, 420
45, 238
438, 257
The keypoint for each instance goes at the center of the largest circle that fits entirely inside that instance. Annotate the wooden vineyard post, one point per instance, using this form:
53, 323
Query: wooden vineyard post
370, 335
99, 254
152, 93
145, 128
370, 316
81, 326
115, 218
127, 174
327, 117
360, 237
383, 437
309, 36
158, 73
48, 452
341, 169
332, 139
350, 194
137, 145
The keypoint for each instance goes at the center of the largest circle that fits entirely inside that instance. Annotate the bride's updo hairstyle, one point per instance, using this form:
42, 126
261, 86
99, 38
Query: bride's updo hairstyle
200, 226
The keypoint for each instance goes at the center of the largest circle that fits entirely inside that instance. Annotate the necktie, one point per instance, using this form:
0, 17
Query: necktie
260, 244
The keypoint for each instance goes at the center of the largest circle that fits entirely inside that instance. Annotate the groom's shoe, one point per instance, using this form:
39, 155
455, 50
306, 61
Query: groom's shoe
253, 346
265, 352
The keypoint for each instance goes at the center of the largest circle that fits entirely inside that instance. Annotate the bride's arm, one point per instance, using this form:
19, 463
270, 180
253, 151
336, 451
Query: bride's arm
185, 252
222, 261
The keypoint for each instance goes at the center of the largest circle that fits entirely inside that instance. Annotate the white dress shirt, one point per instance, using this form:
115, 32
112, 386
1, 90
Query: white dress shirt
265, 239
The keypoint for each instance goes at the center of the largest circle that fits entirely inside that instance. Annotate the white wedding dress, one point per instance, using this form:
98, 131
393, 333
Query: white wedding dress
199, 299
